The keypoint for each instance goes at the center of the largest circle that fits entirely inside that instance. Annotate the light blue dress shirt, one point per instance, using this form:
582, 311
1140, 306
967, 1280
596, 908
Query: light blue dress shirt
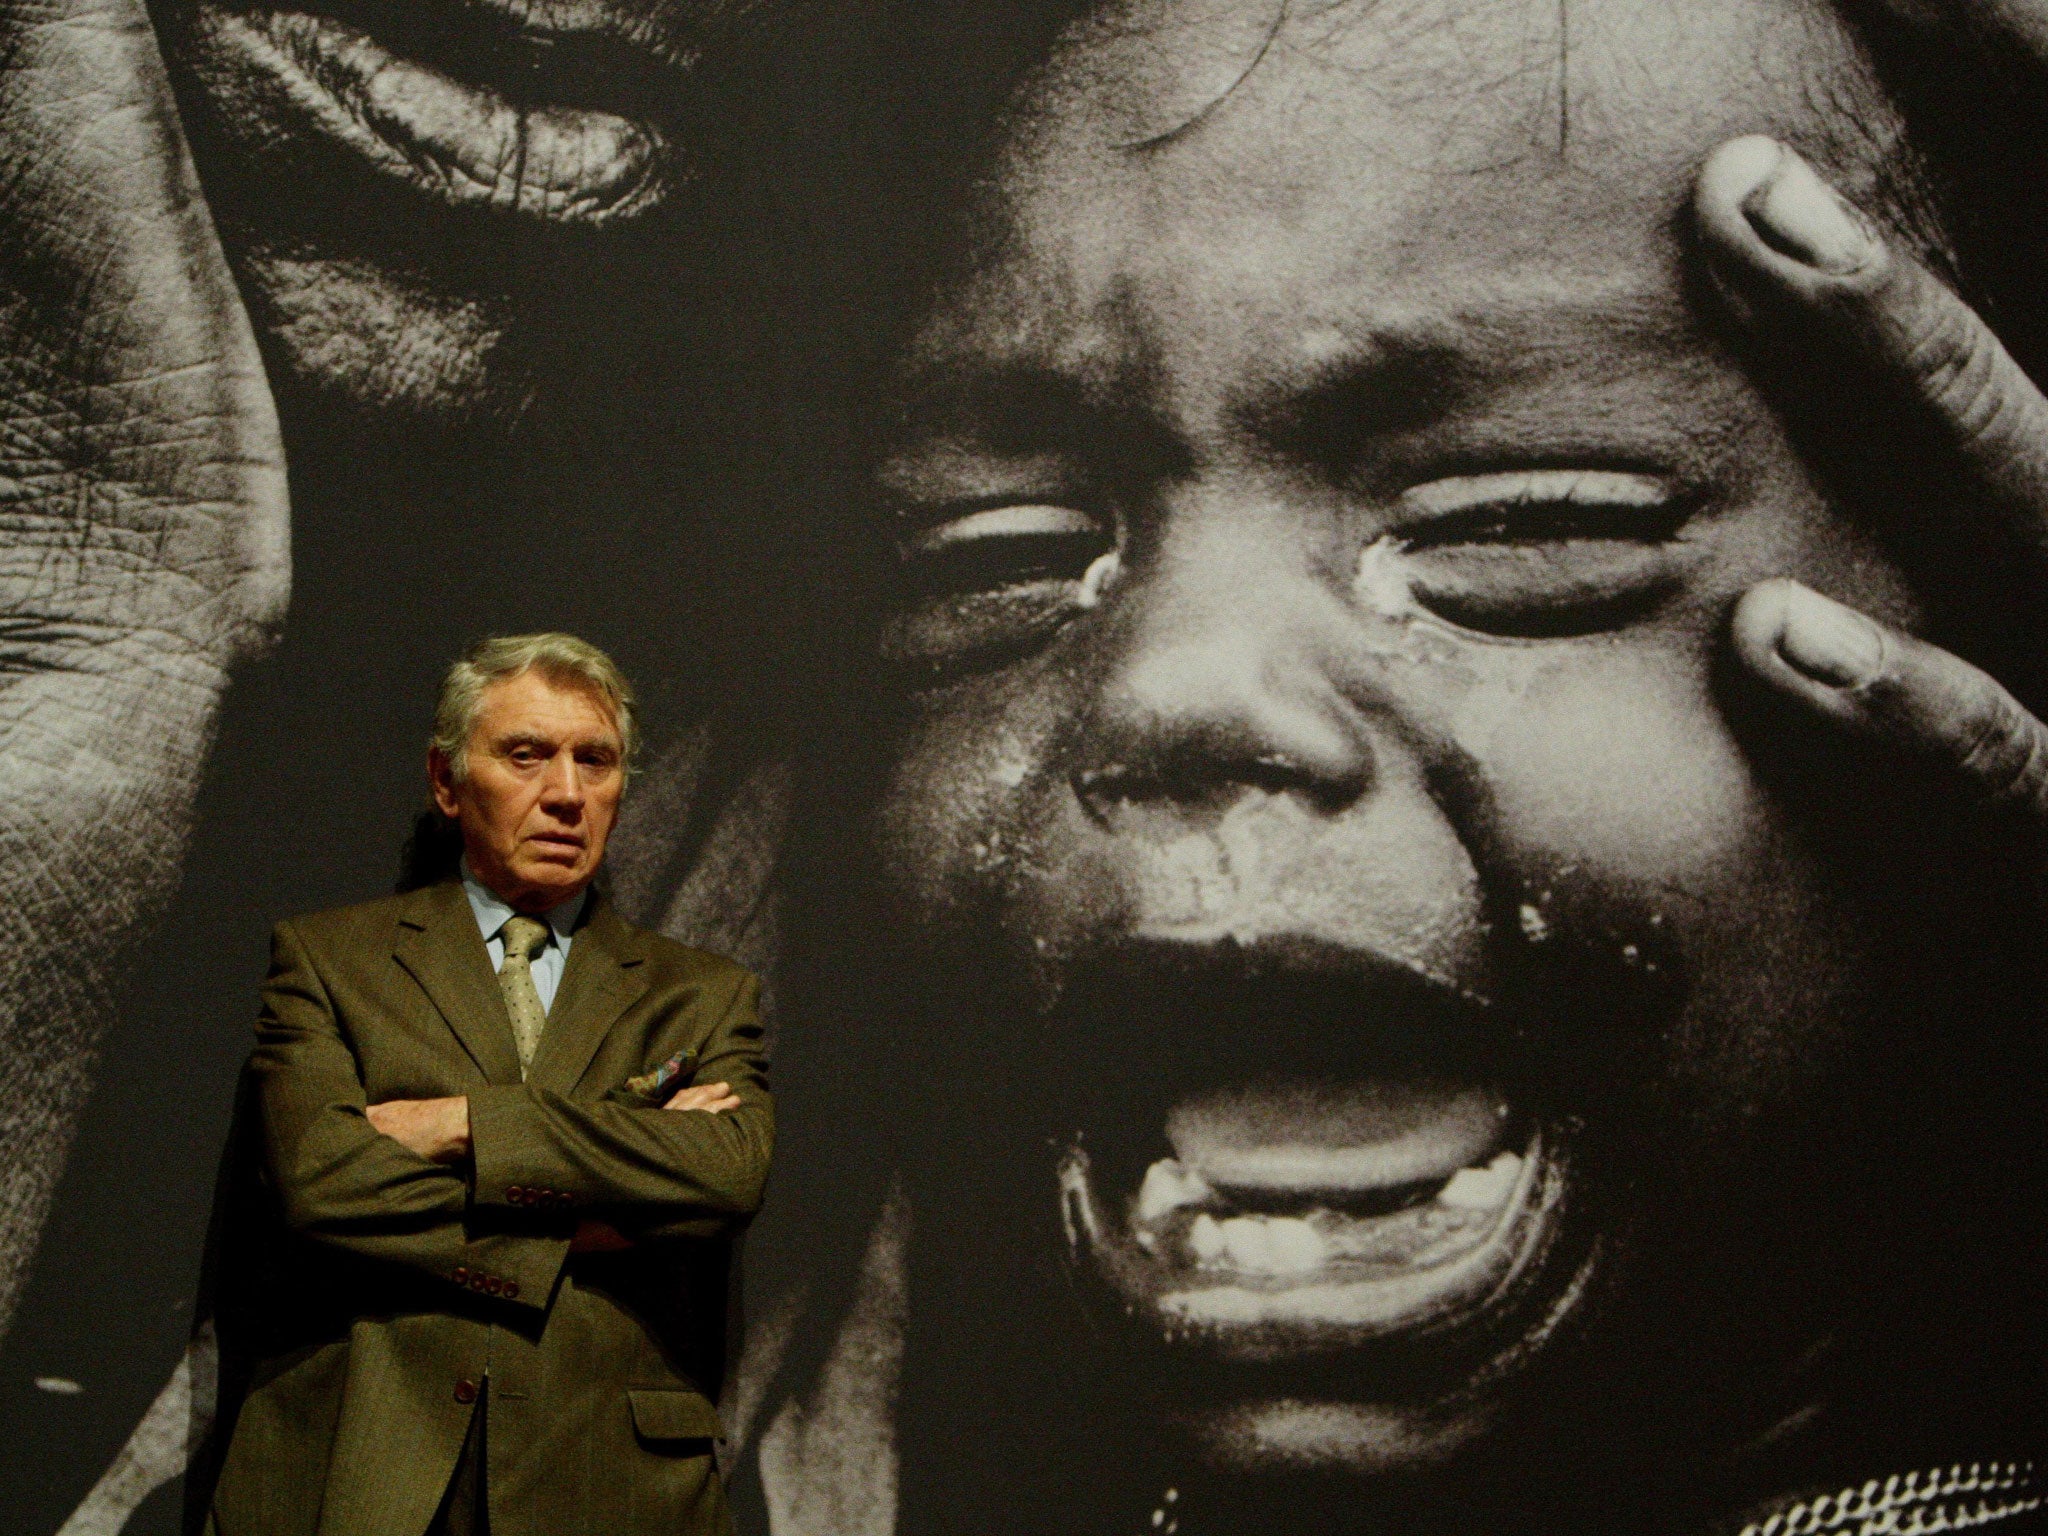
491, 914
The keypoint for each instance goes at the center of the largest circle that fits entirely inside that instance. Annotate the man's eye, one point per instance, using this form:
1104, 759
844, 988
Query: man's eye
1536, 553
993, 582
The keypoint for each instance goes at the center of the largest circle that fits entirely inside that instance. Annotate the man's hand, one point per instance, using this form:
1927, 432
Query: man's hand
1793, 255
437, 1129
594, 1236
712, 1098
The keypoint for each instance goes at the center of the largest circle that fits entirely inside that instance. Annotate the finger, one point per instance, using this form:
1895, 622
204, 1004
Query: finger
694, 1095
1882, 683
1796, 257
710, 1104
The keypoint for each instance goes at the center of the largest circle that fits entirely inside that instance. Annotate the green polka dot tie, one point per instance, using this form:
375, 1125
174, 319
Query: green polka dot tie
524, 938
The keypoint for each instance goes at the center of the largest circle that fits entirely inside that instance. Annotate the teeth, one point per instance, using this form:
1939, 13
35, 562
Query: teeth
1482, 1189
1276, 1246
1259, 1245
1169, 1185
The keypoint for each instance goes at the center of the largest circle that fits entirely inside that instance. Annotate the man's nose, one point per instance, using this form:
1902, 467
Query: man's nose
1234, 668
562, 784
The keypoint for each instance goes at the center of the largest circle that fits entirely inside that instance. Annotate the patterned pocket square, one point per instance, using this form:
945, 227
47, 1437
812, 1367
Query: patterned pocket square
663, 1079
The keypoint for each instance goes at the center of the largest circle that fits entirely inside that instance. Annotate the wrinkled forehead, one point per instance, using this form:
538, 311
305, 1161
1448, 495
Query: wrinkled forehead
1181, 169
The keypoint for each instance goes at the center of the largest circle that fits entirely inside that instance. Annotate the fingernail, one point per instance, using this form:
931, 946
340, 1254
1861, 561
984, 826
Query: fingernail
1827, 642
1797, 214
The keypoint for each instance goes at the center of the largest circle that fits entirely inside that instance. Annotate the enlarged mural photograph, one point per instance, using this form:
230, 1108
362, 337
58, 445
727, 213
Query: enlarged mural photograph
1344, 695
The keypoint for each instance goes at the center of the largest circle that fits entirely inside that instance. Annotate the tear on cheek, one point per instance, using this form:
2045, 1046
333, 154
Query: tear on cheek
1381, 585
1100, 573
1384, 588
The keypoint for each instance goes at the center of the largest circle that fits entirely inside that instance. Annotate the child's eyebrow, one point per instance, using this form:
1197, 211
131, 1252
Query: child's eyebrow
1373, 388
1403, 372
1027, 411
1008, 406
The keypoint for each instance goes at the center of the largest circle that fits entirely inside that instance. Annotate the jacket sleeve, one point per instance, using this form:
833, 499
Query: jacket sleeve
341, 1181
653, 1172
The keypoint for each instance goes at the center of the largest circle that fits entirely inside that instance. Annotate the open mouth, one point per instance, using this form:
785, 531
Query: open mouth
473, 104
1289, 1225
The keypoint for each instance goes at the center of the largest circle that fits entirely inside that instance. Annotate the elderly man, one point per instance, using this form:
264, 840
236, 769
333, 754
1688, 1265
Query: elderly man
481, 1284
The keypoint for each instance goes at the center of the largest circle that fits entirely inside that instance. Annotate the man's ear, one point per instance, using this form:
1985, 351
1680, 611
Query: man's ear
441, 775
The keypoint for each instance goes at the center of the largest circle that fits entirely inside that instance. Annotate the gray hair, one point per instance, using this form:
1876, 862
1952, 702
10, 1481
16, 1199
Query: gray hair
562, 659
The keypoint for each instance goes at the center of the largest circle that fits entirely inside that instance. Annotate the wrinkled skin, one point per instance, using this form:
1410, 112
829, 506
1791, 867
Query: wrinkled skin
145, 548
452, 214
1320, 506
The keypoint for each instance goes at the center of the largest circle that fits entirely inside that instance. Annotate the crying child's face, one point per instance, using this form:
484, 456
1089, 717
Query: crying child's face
1398, 987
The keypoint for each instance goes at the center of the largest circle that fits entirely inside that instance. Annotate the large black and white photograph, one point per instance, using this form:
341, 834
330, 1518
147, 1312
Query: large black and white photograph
1055, 768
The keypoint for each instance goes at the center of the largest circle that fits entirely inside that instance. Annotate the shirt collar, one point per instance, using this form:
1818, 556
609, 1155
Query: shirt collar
492, 910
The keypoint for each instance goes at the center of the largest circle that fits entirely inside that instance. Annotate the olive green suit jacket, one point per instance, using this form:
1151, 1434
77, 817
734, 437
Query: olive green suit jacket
365, 1294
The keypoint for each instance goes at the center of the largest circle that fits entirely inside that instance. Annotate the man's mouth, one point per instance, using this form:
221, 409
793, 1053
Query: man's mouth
480, 104
1292, 1223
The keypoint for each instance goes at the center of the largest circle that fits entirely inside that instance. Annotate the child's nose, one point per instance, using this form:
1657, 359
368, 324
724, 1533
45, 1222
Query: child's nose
1233, 662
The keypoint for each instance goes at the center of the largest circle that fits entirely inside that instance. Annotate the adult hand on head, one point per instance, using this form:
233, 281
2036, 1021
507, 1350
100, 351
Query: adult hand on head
142, 543
1791, 252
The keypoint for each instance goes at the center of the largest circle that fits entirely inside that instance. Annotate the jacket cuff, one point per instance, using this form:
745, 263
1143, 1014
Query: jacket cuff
510, 1267
506, 1142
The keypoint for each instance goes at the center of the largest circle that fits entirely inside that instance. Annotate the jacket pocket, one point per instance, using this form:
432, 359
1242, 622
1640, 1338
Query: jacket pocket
673, 1413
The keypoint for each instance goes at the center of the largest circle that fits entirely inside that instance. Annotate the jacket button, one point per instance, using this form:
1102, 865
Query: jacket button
465, 1391
460, 1275
511, 1290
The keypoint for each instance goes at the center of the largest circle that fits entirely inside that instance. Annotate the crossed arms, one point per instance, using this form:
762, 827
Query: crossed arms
438, 1130
449, 1185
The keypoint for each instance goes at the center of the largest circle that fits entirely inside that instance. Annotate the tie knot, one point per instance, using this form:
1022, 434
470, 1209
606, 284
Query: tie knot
524, 937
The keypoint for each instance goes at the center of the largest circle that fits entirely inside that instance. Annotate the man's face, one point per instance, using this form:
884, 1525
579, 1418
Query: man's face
541, 791
436, 206
1319, 512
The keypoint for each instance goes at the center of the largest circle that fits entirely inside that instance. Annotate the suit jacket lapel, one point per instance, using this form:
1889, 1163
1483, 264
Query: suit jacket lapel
600, 981
438, 943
